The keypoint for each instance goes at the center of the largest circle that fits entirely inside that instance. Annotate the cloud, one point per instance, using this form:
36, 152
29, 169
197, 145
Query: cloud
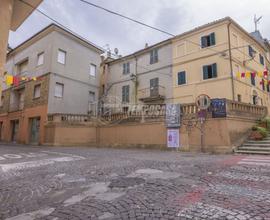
171, 15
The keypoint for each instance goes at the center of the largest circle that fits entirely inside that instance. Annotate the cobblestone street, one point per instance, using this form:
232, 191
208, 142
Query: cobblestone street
88, 183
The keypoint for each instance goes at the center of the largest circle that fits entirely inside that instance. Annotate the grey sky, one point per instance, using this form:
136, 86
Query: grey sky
174, 16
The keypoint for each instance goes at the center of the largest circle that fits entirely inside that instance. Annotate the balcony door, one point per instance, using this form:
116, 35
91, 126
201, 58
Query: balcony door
154, 85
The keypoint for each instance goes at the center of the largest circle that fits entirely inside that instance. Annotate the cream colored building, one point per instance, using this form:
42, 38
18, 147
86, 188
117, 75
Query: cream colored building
12, 15
206, 60
142, 77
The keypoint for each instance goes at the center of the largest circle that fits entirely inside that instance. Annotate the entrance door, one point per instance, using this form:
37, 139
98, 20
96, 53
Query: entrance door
14, 130
34, 130
154, 85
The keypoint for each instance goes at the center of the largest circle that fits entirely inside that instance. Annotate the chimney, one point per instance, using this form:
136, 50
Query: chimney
146, 45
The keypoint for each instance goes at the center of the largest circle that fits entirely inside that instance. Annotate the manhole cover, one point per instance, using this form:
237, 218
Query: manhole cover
124, 182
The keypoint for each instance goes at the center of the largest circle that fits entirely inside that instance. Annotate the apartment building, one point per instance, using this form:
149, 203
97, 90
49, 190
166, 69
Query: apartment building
63, 69
142, 77
12, 14
209, 59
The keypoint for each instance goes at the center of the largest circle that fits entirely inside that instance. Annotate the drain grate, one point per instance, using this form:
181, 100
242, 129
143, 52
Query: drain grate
124, 182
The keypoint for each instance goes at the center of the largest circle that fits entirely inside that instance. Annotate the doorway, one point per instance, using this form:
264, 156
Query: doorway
14, 130
34, 130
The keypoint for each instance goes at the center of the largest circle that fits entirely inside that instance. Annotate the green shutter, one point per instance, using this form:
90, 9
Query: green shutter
203, 42
214, 69
212, 39
205, 72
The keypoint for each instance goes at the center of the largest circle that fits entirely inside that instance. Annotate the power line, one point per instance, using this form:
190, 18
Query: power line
128, 18
57, 22
65, 27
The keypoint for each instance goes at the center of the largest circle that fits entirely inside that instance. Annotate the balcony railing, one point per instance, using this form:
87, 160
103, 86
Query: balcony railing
152, 93
16, 106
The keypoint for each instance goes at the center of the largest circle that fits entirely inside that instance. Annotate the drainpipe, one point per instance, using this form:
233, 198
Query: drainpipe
136, 79
230, 58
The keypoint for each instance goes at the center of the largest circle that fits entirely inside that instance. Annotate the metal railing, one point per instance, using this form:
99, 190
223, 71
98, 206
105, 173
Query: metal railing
152, 92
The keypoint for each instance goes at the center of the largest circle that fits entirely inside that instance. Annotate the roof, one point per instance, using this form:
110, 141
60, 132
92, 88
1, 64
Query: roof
22, 10
55, 27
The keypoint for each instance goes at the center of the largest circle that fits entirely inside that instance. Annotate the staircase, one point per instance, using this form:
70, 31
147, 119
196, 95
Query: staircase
255, 147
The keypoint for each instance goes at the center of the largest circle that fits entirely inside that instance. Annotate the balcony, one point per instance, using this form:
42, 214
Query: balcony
16, 106
152, 94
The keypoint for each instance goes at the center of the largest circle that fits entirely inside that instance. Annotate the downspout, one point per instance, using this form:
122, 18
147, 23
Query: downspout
230, 58
136, 79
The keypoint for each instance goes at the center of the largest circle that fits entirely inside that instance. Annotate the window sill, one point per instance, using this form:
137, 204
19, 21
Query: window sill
36, 98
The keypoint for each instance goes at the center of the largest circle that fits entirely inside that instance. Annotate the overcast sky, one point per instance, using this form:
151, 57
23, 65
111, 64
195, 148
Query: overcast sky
174, 16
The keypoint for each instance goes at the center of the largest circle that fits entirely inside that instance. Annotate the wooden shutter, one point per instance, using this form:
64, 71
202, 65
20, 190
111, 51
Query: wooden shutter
214, 70
205, 72
212, 39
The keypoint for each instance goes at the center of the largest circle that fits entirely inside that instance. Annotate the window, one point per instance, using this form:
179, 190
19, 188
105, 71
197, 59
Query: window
92, 97
252, 79
59, 90
23, 67
181, 78
93, 70
208, 40
239, 98
126, 68
61, 58
37, 91
125, 94
251, 51
261, 59
154, 56
263, 84
40, 59
210, 71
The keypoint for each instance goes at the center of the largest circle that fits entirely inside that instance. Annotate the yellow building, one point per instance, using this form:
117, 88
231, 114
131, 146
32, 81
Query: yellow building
210, 59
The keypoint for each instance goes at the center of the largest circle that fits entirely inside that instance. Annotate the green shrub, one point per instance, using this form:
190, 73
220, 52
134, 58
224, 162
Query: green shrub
262, 131
254, 128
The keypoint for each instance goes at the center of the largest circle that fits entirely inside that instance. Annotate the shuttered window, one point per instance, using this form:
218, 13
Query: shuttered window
153, 56
125, 94
210, 71
208, 40
181, 78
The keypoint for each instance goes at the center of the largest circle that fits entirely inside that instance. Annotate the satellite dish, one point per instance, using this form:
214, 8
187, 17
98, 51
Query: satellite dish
116, 51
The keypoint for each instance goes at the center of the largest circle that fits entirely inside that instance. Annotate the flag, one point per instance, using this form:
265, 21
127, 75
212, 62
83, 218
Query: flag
265, 73
253, 74
16, 81
248, 74
260, 74
243, 75
9, 80
238, 75
34, 78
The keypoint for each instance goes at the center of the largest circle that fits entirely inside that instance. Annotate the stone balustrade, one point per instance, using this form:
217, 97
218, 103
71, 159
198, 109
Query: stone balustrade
78, 118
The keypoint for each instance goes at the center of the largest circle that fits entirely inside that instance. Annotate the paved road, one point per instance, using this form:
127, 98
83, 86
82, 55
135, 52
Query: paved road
86, 183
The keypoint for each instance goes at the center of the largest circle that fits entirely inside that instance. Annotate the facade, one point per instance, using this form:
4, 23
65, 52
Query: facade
12, 15
142, 77
207, 60
66, 69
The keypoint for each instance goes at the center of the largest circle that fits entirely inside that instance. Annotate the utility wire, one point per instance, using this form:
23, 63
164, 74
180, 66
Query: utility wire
126, 17
65, 27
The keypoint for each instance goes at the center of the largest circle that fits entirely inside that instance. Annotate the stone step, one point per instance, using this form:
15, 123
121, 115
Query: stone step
254, 148
258, 142
255, 145
252, 152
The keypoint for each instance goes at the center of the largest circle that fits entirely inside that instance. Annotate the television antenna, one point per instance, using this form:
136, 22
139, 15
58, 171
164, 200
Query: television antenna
257, 21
